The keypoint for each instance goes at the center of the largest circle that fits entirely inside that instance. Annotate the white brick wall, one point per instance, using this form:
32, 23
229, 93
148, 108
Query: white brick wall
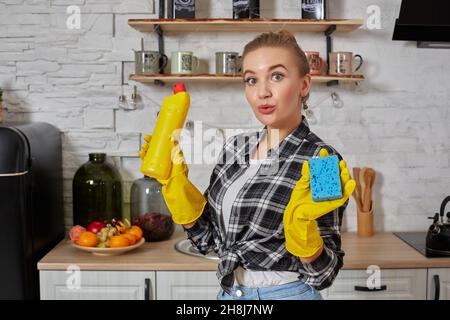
99, 118
396, 122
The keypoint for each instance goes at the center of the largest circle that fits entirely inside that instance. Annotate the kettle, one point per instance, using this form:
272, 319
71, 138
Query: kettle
438, 235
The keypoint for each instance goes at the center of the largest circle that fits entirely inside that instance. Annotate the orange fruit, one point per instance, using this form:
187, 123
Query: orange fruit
87, 239
136, 231
131, 238
119, 241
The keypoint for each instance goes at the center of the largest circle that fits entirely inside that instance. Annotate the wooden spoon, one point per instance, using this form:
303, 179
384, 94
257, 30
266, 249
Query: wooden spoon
368, 178
357, 192
372, 174
363, 186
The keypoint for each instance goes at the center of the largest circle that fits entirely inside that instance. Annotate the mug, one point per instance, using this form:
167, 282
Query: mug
184, 62
148, 62
341, 63
228, 62
315, 62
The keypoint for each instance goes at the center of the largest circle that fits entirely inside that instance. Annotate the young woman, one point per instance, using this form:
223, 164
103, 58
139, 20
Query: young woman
257, 214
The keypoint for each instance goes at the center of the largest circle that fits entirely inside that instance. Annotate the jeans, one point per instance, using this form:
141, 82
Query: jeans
297, 290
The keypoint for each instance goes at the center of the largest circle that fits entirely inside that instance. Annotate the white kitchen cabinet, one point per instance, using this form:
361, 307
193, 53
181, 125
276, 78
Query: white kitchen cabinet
187, 285
405, 284
97, 285
439, 284
408, 284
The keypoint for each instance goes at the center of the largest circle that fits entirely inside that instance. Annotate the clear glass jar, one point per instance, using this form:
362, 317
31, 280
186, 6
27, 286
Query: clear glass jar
149, 210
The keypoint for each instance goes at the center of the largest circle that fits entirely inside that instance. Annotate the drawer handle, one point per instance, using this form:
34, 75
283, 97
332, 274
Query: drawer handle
367, 289
147, 289
437, 287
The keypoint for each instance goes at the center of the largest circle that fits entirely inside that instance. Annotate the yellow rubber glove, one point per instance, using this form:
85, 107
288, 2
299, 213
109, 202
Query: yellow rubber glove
184, 200
300, 227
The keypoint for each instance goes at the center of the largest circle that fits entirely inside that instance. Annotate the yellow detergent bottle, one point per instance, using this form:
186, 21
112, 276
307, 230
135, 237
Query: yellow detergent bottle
171, 118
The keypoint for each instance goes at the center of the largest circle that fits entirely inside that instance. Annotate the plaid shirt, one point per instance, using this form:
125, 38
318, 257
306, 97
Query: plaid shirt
255, 236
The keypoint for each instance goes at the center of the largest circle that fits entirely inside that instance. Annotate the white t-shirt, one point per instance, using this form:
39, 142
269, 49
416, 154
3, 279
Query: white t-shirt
244, 277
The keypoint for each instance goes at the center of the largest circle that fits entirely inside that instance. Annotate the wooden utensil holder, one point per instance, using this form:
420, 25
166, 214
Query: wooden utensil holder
365, 223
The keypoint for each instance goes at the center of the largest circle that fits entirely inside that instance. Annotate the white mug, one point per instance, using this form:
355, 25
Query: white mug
184, 62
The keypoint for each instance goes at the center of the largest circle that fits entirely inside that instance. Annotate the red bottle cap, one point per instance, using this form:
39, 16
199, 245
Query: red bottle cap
179, 87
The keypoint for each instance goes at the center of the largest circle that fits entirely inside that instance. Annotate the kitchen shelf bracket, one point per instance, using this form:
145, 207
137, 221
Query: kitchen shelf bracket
159, 32
330, 30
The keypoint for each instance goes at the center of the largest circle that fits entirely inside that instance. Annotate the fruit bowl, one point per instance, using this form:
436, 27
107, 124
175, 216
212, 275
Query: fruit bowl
109, 251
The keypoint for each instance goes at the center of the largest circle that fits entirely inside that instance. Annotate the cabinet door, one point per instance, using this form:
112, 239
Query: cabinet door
186, 285
97, 285
439, 284
405, 284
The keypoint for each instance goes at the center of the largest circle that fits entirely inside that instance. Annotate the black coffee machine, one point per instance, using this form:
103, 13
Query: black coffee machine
438, 236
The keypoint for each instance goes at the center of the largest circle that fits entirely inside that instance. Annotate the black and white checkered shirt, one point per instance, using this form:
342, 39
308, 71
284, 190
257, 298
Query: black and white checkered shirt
255, 235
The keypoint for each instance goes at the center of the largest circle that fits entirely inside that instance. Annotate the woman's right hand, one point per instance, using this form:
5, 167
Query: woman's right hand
144, 149
177, 164
184, 200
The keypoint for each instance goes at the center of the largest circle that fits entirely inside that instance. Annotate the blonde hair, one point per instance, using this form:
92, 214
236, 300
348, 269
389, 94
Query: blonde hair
283, 39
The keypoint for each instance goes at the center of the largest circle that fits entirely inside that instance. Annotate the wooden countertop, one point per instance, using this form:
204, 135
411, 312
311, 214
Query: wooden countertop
383, 249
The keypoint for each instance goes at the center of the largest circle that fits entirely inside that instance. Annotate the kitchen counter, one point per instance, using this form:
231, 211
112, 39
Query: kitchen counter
383, 249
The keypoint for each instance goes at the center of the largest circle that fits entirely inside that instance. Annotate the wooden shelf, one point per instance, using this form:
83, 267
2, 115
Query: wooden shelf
293, 25
352, 78
232, 78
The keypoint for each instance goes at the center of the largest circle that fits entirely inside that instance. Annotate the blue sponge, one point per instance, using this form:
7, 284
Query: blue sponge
324, 178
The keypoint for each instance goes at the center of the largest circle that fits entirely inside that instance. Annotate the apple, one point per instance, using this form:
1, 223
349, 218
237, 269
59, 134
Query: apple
96, 226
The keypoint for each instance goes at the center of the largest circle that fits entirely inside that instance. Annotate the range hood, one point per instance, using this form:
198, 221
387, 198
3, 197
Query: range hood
427, 22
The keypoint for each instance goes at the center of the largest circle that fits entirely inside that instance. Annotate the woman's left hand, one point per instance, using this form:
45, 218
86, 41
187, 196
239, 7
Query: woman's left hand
302, 235
301, 198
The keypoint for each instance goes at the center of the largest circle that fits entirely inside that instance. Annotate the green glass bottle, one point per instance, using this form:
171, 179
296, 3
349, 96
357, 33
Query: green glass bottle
97, 191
